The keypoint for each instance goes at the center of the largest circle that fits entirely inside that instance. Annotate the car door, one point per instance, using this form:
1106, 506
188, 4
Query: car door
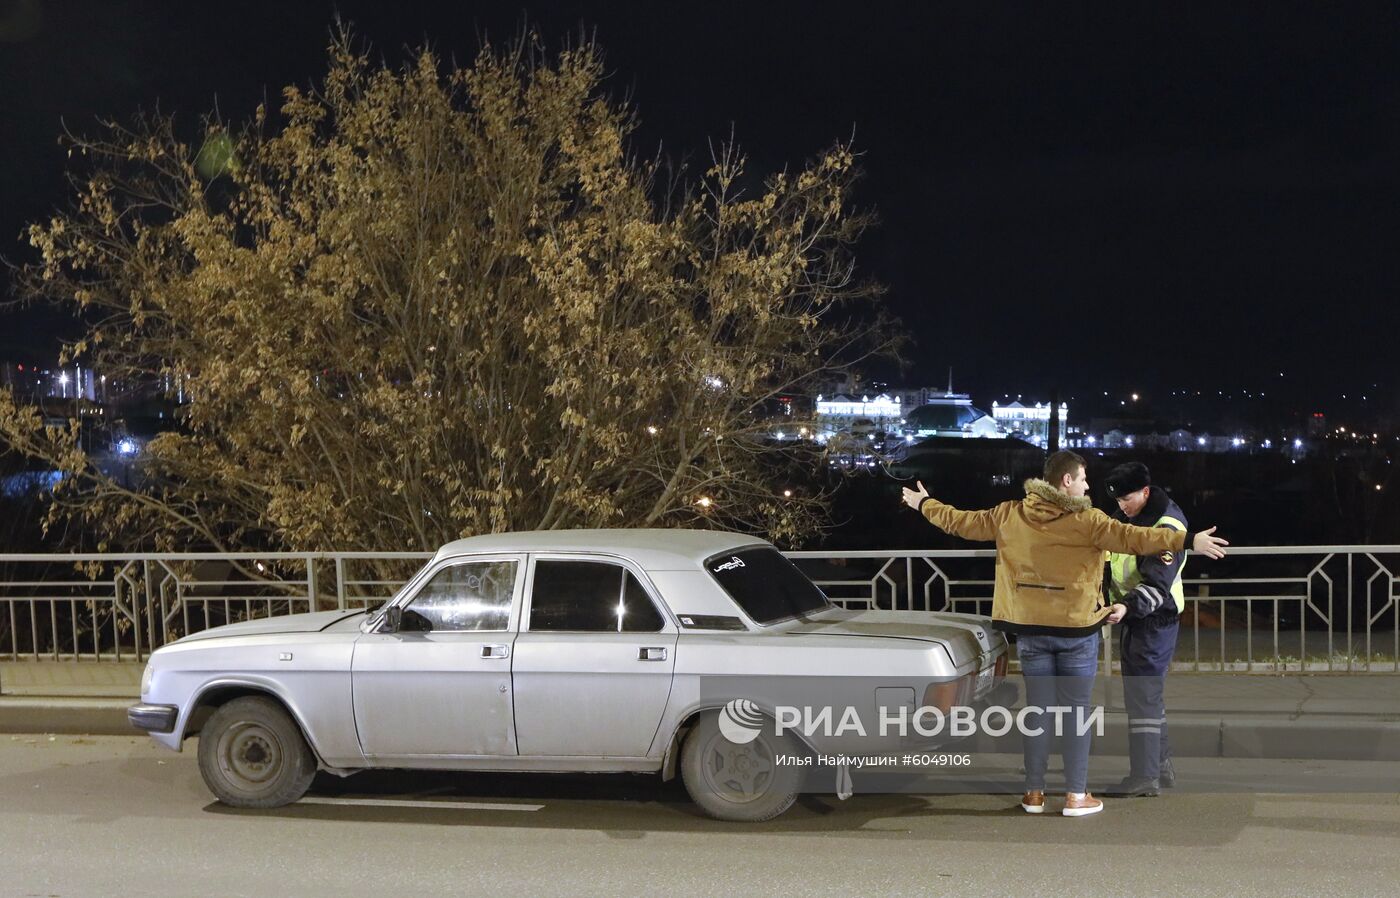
440, 686
593, 661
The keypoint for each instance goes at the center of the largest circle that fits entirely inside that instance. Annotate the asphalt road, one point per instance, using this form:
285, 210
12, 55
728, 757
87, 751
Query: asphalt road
116, 816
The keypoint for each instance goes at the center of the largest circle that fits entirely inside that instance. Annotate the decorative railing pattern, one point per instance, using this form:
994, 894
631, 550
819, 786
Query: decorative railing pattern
1263, 609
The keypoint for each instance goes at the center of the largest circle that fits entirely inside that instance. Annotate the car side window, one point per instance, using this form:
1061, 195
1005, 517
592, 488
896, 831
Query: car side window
590, 596
474, 595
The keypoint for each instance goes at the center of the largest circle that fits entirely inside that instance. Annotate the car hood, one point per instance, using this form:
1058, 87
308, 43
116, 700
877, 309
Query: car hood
286, 623
967, 637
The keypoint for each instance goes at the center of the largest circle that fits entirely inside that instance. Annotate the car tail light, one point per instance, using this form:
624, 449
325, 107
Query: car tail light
1002, 661
942, 695
948, 694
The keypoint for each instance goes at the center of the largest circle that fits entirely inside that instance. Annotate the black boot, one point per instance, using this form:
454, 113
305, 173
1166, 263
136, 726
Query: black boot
1136, 787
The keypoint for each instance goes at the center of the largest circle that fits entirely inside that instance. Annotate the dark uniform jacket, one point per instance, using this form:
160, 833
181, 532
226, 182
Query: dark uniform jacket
1153, 595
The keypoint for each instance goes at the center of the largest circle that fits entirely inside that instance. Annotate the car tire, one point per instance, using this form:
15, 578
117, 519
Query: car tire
253, 755
739, 782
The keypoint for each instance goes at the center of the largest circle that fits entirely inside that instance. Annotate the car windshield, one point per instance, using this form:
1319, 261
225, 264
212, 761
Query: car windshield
766, 585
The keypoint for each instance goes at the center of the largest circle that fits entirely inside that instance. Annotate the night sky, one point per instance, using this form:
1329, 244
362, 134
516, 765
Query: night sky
1094, 197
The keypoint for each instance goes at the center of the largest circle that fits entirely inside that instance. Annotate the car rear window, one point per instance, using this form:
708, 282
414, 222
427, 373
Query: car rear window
766, 585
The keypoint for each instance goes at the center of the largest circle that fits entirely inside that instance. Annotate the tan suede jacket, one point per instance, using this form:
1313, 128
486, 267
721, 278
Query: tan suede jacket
1050, 556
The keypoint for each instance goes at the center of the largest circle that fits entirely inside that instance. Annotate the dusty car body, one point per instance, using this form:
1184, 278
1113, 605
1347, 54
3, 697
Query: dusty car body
549, 651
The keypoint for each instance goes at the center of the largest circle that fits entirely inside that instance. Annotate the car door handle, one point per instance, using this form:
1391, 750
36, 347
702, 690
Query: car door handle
652, 653
495, 651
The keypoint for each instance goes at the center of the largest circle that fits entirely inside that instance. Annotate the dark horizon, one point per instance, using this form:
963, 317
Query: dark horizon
1072, 198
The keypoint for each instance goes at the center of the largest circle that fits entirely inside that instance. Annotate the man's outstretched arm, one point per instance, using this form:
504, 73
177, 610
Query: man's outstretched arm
967, 524
1113, 536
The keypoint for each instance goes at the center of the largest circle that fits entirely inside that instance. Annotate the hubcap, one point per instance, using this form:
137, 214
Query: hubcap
738, 773
250, 754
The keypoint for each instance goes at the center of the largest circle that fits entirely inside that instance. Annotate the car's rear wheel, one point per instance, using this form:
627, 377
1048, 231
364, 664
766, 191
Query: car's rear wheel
741, 782
252, 755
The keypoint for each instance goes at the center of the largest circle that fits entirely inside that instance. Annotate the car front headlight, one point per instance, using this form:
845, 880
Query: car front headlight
146, 676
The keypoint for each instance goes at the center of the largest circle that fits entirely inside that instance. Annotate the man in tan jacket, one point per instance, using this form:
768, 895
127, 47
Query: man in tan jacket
1049, 592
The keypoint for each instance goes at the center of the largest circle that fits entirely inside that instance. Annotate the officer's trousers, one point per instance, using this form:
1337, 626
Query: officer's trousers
1146, 650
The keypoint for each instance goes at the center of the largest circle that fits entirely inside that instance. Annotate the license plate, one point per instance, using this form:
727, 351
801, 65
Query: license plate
984, 681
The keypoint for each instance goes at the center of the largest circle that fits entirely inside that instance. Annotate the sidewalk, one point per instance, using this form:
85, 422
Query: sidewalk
1324, 717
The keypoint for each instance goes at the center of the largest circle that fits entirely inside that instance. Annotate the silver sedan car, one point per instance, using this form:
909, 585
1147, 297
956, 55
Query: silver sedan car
563, 651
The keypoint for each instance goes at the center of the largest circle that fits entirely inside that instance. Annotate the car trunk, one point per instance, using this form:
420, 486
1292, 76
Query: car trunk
968, 640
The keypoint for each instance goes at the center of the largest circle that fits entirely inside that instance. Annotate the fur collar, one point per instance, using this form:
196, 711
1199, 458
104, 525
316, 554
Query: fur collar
1035, 487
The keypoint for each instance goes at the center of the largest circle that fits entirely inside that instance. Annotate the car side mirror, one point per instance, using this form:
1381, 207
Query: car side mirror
393, 619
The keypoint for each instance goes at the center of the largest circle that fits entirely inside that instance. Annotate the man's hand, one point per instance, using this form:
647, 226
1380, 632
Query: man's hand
1210, 546
914, 498
1117, 612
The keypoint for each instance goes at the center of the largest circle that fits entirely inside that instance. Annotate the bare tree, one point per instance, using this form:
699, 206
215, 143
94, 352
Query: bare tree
434, 301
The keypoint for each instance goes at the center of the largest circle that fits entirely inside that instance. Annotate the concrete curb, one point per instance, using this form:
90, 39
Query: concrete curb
1322, 737
50, 714
1338, 737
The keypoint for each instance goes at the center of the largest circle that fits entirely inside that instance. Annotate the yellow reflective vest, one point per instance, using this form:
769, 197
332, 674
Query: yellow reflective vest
1160, 575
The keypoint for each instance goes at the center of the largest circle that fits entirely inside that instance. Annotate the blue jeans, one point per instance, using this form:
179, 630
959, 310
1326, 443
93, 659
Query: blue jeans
1059, 672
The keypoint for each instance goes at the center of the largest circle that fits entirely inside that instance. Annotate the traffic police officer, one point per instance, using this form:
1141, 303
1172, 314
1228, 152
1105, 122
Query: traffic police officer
1148, 599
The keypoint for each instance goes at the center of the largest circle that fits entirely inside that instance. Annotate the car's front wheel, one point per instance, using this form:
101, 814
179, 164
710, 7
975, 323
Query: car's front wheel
252, 755
747, 781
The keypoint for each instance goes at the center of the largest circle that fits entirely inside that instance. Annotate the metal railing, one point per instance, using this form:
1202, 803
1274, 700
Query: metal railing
1263, 609
1273, 609
122, 607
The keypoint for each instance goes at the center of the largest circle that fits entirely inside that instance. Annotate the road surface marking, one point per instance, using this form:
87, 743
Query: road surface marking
411, 803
